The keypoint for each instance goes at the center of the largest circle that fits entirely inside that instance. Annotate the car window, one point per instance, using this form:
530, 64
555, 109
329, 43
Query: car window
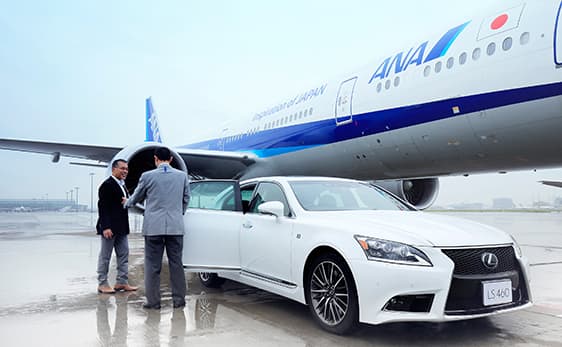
348, 195
213, 195
246, 193
267, 191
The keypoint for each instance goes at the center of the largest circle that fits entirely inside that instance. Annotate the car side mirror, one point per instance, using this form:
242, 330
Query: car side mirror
275, 208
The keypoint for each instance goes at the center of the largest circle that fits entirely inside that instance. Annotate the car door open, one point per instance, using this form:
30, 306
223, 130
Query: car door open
212, 227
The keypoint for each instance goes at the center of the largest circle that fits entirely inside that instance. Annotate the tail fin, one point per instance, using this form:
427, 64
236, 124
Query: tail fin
152, 128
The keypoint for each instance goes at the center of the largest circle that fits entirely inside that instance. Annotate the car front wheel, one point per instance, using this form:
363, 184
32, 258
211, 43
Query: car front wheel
210, 280
331, 294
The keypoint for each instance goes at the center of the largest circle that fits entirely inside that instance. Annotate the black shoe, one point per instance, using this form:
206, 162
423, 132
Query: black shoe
151, 307
179, 305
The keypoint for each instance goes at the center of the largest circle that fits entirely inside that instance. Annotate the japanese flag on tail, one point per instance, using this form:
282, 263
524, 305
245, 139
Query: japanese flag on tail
500, 22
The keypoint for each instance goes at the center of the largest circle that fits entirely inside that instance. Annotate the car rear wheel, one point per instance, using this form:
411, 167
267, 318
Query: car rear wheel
210, 280
331, 294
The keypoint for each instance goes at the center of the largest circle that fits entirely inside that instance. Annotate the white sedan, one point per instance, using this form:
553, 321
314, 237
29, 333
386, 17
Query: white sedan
351, 251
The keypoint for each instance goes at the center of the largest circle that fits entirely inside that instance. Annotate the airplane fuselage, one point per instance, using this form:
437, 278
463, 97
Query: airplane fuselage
482, 96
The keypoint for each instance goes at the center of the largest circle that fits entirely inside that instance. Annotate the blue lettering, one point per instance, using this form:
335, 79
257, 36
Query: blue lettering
417, 57
399, 65
381, 70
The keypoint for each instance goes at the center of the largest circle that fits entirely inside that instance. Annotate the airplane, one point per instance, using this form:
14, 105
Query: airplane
482, 96
22, 209
557, 184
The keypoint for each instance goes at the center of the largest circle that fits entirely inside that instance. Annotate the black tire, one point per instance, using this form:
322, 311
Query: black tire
210, 280
331, 294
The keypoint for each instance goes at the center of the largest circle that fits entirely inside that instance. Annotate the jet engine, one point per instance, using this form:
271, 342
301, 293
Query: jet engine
141, 159
420, 192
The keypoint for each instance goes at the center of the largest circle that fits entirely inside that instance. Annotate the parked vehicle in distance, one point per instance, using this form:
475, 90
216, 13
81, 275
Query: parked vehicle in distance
351, 251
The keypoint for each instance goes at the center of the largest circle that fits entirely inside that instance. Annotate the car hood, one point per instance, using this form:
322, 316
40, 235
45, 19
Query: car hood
415, 228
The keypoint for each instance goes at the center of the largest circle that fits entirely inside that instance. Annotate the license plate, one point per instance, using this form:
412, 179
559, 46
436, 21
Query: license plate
496, 292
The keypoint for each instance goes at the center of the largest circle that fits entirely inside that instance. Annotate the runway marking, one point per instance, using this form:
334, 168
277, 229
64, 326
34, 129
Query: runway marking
540, 246
547, 263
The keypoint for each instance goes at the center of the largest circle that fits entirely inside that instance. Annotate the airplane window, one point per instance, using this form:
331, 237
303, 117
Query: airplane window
277, 123
310, 111
305, 112
396, 81
462, 58
525, 38
300, 114
426, 71
438, 67
476, 54
507, 43
450, 62
387, 84
491, 48
379, 87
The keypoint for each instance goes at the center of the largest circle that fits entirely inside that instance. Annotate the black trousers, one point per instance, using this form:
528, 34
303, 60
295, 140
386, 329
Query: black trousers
153, 251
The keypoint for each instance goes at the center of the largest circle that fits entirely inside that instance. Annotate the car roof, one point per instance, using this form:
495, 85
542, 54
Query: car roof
298, 178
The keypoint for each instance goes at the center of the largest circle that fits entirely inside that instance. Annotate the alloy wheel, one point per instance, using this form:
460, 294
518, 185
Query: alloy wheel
329, 292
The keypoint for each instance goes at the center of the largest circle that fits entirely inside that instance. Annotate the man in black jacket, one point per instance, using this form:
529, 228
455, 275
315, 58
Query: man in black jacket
113, 226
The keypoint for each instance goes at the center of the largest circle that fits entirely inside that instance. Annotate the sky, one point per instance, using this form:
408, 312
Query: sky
79, 72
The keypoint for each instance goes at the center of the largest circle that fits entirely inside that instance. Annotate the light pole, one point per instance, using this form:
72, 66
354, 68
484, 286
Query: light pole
76, 198
91, 198
71, 197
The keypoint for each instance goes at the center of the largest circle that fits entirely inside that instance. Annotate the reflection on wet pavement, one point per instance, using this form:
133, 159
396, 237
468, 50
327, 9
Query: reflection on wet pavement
53, 261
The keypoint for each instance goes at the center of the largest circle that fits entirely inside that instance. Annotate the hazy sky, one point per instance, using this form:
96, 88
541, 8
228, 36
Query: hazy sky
79, 71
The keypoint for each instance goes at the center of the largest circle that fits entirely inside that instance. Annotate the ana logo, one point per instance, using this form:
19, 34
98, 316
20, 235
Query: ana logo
417, 55
490, 260
154, 127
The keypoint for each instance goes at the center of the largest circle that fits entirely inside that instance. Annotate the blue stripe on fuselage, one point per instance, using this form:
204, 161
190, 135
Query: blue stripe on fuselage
278, 141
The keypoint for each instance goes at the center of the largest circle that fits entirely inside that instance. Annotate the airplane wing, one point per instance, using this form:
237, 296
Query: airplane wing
206, 163
57, 149
552, 183
216, 164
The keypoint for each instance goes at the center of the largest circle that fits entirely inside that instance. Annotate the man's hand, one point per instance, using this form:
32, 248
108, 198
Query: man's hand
107, 233
123, 200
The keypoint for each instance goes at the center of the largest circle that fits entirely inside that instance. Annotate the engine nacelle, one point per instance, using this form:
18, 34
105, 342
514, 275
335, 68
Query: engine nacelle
420, 192
141, 159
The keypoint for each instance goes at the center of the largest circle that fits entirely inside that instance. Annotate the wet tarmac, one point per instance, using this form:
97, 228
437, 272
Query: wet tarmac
48, 297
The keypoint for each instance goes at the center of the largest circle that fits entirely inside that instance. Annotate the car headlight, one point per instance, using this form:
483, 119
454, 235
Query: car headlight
518, 252
393, 252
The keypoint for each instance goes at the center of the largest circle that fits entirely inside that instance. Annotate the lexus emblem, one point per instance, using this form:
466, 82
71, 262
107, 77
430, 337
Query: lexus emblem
490, 260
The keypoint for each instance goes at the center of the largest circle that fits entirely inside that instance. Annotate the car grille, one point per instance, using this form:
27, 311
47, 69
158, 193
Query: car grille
469, 261
465, 293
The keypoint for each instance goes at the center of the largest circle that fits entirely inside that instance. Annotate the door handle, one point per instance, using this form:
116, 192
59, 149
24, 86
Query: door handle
247, 225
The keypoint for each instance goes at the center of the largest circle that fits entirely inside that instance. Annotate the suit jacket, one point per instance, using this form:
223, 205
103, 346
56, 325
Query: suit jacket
111, 213
166, 193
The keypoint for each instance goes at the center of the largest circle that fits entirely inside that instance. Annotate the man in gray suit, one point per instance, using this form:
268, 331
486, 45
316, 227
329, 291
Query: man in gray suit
166, 194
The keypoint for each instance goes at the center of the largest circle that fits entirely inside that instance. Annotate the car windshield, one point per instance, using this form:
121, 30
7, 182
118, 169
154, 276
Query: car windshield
344, 196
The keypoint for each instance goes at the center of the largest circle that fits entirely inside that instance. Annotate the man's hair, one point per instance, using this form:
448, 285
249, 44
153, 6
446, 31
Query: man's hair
117, 161
163, 153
